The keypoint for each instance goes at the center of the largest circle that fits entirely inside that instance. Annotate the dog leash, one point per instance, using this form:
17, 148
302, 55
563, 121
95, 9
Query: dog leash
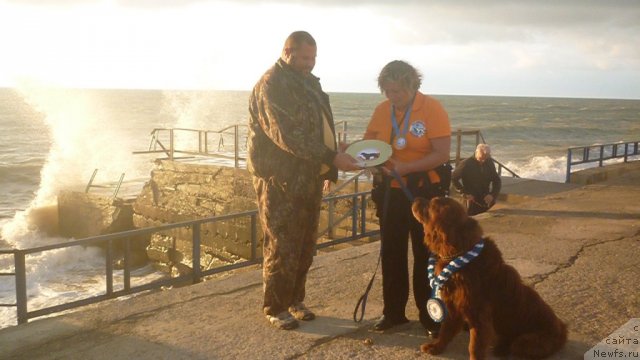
479, 204
362, 301
404, 188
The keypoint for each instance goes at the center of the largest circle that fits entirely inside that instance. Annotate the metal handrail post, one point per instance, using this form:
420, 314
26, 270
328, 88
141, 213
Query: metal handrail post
236, 151
86, 190
220, 141
601, 155
152, 143
344, 132
109, 267
21, 286
117, 189
363, 214
587, 153
127, 264
331, 219
171, 144
196, 252
568, 176
254, 236
354, 217
626, 151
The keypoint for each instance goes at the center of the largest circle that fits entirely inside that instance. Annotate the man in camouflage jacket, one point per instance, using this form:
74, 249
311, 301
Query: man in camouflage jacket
292, 151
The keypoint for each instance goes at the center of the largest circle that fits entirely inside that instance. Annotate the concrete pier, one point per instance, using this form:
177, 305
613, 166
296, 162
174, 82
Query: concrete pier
578, 245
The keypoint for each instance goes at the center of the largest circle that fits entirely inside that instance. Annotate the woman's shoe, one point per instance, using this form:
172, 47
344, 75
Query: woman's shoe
385, 323
432, 327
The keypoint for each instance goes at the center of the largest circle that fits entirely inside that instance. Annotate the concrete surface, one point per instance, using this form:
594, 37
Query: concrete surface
577, 245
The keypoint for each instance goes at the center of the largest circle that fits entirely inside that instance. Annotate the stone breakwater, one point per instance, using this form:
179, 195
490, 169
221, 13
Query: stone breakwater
183, 191
175, 192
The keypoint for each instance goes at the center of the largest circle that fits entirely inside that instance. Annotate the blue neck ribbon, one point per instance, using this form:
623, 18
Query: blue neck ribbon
453, 266
405, 121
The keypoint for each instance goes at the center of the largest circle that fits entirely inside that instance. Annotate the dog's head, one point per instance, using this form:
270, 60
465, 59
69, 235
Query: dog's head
448, 230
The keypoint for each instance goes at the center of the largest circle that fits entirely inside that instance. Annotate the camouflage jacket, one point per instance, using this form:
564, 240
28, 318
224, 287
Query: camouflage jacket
286, 126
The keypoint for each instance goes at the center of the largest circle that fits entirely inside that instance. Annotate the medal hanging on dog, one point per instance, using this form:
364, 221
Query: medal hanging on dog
400, 141
435, 306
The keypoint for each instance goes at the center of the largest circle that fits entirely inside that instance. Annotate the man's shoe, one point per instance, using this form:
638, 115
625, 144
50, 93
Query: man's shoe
301, 312
432, 327
283, 321
385, 323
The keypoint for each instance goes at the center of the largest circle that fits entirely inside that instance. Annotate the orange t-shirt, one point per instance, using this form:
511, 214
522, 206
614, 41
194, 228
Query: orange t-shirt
428, 120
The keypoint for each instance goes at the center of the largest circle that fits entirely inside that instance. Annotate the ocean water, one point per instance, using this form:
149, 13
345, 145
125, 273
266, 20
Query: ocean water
53, 139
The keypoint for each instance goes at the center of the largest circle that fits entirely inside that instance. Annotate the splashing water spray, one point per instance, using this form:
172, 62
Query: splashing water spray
81, 140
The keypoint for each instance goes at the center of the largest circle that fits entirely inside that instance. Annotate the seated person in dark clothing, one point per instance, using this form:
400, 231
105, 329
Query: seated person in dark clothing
478, 181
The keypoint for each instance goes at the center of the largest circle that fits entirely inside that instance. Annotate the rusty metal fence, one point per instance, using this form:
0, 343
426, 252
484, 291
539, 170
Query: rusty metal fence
356, 223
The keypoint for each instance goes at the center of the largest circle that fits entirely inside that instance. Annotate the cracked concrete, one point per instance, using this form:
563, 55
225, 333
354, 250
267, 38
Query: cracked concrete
577, 245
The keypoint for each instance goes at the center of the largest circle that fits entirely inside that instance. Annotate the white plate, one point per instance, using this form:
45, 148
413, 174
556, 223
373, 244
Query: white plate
370, 152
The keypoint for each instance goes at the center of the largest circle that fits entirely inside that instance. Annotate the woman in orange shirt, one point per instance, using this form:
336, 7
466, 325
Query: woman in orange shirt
418, 129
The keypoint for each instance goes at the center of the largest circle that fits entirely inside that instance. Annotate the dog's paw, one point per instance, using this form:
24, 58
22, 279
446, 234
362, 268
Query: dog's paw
433, 348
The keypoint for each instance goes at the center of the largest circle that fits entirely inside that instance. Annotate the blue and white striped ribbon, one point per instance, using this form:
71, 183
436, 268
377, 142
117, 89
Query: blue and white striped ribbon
453, 266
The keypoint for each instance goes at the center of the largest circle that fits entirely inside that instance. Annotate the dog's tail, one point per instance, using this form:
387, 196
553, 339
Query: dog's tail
541, 344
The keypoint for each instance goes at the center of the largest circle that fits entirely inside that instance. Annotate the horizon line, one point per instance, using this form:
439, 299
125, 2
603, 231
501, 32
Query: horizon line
330, 92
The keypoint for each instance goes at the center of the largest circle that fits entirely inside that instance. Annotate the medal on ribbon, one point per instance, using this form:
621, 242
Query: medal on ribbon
436, 308
400, 141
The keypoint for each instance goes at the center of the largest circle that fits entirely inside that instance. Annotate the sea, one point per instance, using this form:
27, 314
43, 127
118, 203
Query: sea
53, 139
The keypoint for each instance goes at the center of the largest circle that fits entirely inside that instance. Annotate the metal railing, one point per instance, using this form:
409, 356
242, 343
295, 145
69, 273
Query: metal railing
459, 133
115, 186
165, 141
358, 230
600, 153
501, 167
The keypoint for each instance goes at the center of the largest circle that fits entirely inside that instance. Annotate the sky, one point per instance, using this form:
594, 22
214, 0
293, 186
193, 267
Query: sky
559, 48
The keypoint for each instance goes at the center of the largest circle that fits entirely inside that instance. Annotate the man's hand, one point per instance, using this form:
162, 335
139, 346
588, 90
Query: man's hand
488, 199
400, 167
346, 162
326, 187
342, 146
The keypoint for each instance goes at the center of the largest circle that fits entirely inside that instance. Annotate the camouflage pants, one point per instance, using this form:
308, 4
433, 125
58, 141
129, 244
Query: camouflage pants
289, 214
